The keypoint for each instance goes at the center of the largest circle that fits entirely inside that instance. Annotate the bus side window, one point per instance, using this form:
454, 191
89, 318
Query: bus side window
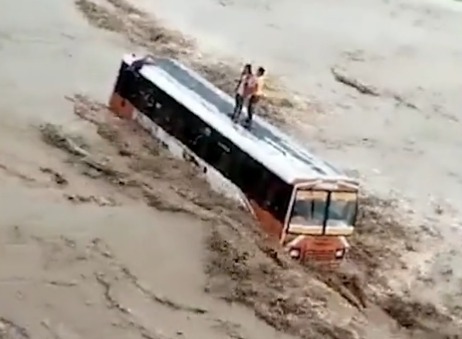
196, 134
252, 178
281, 201
218, 153
233, 164
258, 182
167, 116
144, 98
225, 163
160, 103
162, 109
269, 194
189, 133
244, 174
179, 122
236, 170
277, 196
151, 107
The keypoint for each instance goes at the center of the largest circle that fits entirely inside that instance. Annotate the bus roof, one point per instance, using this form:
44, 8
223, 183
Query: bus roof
263, 142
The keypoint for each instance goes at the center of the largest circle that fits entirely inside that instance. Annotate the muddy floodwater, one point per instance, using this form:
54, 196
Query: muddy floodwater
120, 240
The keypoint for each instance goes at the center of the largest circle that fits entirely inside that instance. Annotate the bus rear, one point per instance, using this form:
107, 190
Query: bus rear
320, 217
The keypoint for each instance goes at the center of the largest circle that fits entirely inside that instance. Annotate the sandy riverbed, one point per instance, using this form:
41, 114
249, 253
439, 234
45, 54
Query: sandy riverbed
83, 257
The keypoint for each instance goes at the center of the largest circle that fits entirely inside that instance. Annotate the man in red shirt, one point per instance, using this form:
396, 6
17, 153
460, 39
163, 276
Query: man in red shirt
255, 87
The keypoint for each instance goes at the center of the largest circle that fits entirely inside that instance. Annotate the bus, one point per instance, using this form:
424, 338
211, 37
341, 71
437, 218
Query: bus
303, 202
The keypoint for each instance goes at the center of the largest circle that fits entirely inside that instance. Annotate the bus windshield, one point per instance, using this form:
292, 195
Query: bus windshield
310, 208
342, 208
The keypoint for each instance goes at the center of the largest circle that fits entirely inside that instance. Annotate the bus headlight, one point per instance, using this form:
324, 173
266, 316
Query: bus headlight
339, 254
294, 253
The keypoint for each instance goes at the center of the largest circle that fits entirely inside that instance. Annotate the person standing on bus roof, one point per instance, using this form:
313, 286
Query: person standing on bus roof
256, 89
242, 91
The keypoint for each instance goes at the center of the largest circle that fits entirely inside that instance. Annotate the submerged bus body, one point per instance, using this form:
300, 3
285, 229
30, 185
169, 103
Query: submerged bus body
298, 198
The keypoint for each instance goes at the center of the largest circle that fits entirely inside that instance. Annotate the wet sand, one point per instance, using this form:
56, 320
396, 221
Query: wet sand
84, 257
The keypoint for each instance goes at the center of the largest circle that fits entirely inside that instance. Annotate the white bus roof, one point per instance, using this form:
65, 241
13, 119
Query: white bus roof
263, 142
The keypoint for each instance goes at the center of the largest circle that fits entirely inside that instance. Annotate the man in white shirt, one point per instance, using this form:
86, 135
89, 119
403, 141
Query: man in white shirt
242, 91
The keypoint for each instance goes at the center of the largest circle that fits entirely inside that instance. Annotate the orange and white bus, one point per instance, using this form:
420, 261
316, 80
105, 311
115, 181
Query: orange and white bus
299, 199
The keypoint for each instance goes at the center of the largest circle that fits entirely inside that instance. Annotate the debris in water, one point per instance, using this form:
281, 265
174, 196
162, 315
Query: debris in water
360, 87
101, 201
57, 177
54, 136
11, 330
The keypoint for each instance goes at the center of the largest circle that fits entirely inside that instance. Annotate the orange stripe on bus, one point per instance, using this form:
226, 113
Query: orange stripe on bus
121, 107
